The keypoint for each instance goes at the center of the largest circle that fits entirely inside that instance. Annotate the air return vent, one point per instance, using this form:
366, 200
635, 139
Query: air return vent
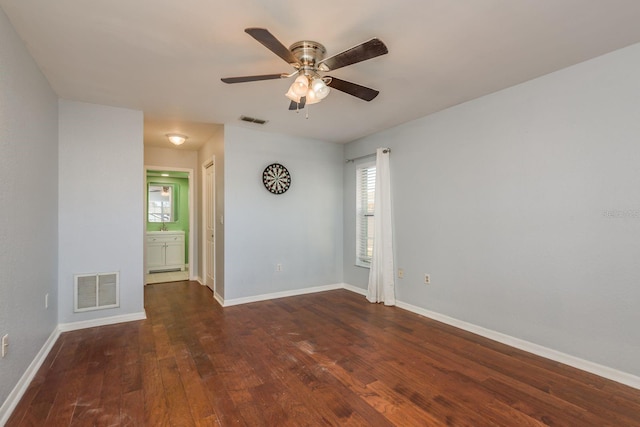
253, 120
96, 291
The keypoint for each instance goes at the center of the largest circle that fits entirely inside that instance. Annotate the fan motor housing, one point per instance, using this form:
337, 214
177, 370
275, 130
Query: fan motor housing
309, 53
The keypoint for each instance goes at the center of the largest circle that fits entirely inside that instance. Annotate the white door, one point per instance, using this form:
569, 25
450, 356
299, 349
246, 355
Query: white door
210, 221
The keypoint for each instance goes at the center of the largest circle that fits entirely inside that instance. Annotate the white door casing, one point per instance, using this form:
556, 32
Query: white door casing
210, 221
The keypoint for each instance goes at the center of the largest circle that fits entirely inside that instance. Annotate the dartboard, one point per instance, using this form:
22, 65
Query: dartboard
276, 178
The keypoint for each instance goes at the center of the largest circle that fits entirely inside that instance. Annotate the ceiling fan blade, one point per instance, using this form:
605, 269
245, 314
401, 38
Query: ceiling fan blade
269, 41
253, 78
298, 105
356, 90
362, 52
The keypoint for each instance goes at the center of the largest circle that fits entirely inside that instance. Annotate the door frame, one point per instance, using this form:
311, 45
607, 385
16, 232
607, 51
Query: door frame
211, 161
192, 221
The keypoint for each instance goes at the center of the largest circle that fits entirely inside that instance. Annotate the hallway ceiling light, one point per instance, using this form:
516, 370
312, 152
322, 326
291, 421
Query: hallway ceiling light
176, 139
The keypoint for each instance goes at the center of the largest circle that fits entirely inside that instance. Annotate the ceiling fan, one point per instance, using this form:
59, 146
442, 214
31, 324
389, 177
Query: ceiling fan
307, 57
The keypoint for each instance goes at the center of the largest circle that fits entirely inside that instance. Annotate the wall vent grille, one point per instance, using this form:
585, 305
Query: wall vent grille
96, 291
253, 120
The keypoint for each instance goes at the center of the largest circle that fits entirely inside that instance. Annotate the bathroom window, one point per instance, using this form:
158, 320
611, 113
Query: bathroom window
160, 208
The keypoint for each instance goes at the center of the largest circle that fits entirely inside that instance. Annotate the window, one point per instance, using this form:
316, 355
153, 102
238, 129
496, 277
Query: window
365, 192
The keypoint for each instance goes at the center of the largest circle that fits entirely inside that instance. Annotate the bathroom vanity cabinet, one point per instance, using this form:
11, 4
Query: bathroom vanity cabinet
165, 251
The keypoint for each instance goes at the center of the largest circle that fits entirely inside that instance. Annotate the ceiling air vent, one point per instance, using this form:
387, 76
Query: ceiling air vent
253, 120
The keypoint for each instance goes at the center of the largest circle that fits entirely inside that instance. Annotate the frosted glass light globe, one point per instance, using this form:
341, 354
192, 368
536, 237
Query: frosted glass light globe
300, 85
320, 88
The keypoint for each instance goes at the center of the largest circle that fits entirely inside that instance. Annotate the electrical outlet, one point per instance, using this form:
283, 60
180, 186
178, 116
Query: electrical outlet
5, 344
427, 279
278, 267
400, 273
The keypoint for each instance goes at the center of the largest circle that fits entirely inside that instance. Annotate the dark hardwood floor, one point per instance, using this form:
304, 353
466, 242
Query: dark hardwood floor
322, 359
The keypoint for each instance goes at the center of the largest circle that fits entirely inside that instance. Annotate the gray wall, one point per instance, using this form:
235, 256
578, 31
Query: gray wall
524, 206
300, 229
101, 197
29, 200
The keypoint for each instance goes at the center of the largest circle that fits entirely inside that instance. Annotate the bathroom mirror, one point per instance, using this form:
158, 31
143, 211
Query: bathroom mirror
160, 206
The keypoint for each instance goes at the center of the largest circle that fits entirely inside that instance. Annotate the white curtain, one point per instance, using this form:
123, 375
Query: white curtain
381, 275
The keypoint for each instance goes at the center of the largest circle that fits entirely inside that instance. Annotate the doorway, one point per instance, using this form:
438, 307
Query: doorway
165, 261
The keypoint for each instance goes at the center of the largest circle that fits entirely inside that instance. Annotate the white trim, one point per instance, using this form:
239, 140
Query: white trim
548, 353
66, 327
218, 298
216, 295
211, 161
284, 294
354, 289
18, 391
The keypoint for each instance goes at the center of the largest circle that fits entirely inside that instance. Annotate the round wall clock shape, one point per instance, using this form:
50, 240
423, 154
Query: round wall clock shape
276, 178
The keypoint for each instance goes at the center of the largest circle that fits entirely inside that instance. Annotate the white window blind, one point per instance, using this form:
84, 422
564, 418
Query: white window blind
365, 192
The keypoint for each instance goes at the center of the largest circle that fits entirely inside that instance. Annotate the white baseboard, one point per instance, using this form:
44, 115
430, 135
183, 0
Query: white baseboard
216, 295
548, 353
218, 298
354, 289
295, 292
18, 391
66, 327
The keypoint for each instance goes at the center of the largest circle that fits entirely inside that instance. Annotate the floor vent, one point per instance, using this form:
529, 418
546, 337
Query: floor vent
96, 291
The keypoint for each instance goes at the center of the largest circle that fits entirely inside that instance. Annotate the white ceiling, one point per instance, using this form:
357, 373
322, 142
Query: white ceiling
166, 58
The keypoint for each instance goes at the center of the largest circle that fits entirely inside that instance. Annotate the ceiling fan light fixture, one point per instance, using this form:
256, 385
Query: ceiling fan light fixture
300, 85
292, 96
319, 88
176, 139
312, 97
308, 59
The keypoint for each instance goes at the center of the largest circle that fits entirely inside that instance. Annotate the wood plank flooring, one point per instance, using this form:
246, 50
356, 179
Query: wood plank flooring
327, 359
